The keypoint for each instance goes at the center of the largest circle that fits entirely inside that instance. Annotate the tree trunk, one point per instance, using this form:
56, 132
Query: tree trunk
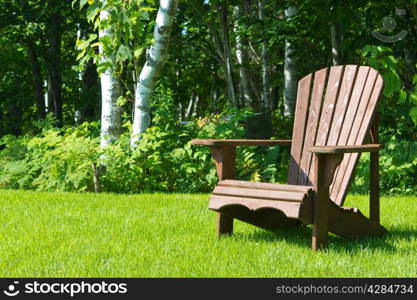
336, 34
53, 60
37, 80
266, 67
222, 8
110, 92
241, 56
290, 71
156, 57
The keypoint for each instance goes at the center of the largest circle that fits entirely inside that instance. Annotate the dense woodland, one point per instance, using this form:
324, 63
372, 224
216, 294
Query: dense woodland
105, 95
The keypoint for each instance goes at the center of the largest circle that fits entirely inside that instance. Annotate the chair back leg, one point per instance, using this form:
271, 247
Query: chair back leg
374, 210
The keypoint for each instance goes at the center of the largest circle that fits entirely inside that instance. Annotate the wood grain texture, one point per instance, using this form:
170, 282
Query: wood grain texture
266, 218
300, 115
351, 223
358, 134
312, 122
335, 109
345, 149
259, 193
363, 79
240, 142
265, 186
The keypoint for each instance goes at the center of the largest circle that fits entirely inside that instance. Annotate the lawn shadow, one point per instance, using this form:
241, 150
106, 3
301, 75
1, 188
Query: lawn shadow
301, 237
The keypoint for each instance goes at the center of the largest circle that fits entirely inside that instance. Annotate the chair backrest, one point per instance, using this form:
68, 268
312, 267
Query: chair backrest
335, 106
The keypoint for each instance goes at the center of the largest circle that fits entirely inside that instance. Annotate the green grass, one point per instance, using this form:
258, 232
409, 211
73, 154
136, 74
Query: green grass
157, 235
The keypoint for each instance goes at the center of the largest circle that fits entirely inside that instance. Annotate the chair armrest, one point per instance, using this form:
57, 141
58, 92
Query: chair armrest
234, 143
345, 149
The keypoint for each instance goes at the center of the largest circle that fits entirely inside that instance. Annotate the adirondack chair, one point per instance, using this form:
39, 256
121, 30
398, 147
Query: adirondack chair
334, 115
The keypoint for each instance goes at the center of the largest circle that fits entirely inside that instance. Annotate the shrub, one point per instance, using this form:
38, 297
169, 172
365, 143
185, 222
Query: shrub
164, 159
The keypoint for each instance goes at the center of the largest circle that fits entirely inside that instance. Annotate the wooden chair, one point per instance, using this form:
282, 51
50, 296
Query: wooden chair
335, 113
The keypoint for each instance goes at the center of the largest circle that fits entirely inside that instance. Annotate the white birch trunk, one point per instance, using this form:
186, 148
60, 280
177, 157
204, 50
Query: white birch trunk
110, 92
266, 68
241, 59
156, 56
290, 71
45, 84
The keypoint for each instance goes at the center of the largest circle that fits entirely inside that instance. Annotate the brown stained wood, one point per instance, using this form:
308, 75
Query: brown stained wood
374, 210
345, 95
269, 219
333, 115
301, 110
362, 92
351, 223
320, 235
224, 224
328, 107
260, 194
290, 209
234, 143
345, 149
225, 158
362, 79
320, 80
362, 132
324, 167
265, 186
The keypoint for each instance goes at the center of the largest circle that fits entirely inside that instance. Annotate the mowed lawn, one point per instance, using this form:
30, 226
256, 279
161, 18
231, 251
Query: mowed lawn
160, 235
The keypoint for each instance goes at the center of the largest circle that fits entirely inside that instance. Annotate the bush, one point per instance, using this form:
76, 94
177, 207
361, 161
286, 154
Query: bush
164, 159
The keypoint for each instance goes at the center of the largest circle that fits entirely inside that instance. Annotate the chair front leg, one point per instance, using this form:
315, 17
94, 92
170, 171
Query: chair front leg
324, 167
225, 158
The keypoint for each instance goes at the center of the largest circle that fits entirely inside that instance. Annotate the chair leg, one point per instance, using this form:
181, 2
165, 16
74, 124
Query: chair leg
374, 210
324, 168
320, 239
224, 224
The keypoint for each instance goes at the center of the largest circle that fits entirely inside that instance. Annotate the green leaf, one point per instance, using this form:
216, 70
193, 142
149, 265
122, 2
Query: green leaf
123, 53
138, 52
392, 82
413, 114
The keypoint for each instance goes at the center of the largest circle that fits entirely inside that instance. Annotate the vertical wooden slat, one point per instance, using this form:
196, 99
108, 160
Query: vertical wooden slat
345, 95
359, 137
362, 80
320, 80
301, 110
334, 107
324, 121
328, 108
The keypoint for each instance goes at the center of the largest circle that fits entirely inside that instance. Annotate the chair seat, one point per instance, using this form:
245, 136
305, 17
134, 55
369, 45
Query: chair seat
293, 201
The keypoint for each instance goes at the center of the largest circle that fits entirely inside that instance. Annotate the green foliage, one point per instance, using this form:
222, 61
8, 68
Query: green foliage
398, 170
164, 159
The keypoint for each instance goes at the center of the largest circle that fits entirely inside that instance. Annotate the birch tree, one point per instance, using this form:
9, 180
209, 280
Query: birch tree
241, 56
266, 67
290, 70
155, 59
110, 92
